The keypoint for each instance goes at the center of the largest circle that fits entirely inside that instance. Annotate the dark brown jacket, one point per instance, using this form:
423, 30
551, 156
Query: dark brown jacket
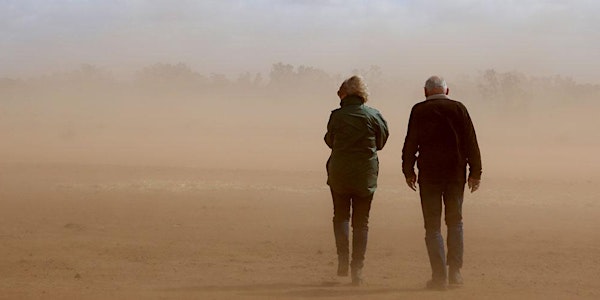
440, 130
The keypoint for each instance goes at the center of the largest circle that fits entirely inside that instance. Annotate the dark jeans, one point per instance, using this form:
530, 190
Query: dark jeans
432, 197
361, 205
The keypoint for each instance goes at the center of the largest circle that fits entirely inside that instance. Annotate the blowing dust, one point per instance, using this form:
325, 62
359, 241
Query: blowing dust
135, 176
178, 185
172, 116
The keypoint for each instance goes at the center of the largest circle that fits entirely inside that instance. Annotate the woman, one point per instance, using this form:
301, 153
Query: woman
355, 133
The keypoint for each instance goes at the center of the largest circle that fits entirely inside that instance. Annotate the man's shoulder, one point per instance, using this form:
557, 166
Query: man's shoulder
461, 107
436, 102
457, 102
421, 105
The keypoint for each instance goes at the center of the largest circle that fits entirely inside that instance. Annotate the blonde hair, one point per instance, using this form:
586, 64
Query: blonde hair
355, 86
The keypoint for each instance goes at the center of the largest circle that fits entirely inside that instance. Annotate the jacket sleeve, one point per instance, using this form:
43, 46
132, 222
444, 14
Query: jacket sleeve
411, 146
472, 148
329, 136
382, 131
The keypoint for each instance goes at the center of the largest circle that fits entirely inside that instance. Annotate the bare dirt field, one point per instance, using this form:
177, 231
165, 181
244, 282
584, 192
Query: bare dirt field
114, 232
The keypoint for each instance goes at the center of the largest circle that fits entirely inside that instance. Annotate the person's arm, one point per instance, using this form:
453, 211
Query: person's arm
382, 133
473, 154
329, 136
409, 152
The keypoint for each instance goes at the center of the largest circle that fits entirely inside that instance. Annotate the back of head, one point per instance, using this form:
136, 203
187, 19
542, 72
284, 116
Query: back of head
436, 85
354, 86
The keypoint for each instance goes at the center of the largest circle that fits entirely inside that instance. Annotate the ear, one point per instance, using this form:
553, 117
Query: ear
425, 90
447, 91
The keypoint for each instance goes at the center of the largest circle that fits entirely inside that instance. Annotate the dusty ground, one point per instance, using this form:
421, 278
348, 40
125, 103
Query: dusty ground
110, 232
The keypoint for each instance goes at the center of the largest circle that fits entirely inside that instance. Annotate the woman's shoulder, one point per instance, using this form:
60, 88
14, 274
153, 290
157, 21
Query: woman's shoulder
372, 110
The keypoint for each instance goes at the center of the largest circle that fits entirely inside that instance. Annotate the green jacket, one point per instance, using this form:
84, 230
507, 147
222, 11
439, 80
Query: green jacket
355, 133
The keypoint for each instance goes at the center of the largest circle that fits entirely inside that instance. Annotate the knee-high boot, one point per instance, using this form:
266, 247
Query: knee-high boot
437, 258
455, 246
359, 248
341, 232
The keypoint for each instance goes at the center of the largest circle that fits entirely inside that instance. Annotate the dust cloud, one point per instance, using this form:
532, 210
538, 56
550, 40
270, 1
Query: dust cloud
183, 185
171, 115
155, 149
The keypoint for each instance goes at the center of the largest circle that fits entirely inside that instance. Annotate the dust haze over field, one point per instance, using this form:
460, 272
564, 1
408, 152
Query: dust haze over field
172, 116
141, 135
216, 84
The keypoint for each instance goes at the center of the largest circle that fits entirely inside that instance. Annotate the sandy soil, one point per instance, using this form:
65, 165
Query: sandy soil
114, 232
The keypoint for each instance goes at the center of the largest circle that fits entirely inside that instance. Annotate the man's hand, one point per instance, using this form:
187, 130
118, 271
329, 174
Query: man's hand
473, 184
411, 181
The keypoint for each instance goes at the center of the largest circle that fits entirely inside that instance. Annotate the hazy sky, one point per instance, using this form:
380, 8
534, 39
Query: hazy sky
403, 36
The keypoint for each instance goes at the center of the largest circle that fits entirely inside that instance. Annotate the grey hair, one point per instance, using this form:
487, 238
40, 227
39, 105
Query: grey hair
356, 86
436, 82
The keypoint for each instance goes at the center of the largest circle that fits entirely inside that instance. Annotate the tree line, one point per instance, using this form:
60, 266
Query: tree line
510, 91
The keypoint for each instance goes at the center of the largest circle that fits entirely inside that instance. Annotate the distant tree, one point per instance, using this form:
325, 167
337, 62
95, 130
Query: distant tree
258, 80
219, 80
169, 74
514, 87
92, 73
310, 74
300, 80
86, 76
281, 74
244, 79
247, 82
508, 92
489, 84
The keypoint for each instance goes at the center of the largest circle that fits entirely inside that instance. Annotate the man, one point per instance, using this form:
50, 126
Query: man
441, 132
355, 132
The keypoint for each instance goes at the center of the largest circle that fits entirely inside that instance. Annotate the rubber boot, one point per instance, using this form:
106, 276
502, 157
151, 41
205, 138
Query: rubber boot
341, 232
455, 246
437, 260
359, 248
454, 277
357, 278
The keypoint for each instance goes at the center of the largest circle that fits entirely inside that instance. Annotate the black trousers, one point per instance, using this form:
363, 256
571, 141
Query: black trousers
432, 197
348, 206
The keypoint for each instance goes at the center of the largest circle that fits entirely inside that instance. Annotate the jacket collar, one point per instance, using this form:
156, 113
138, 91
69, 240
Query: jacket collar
351, 100
437, 96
